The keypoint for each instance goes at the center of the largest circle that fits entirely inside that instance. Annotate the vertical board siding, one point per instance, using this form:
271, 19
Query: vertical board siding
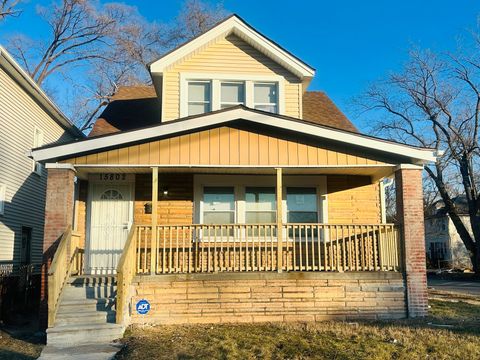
228, 55
224, 146
25, 197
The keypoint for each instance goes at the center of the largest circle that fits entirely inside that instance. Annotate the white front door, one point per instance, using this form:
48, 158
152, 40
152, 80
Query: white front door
110, 221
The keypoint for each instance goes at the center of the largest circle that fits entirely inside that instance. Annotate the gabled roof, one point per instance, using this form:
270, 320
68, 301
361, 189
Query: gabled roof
13, 69
237, 26
134, 107
223, 117
318, 108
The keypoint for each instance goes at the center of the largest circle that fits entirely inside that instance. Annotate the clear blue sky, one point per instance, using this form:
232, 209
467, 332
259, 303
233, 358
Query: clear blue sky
349, 42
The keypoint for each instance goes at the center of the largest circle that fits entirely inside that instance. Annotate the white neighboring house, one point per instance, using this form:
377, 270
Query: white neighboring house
445, 248
28, 118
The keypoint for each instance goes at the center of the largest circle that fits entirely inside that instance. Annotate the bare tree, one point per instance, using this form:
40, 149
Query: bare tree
79, 32
137, 43
435, 102
196, 17
98, 48
9, 8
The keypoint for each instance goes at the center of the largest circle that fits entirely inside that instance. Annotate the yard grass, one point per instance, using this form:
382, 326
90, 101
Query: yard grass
19, 348
452, 331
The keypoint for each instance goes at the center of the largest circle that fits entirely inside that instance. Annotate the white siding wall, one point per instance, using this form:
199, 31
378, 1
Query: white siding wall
25, 195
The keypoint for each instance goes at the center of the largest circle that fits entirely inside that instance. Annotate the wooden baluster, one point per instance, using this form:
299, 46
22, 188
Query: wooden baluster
319, 249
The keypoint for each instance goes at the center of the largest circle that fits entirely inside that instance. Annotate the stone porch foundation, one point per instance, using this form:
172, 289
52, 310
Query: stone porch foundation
269, 297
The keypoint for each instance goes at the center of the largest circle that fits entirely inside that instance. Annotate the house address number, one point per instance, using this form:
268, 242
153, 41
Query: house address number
112, 177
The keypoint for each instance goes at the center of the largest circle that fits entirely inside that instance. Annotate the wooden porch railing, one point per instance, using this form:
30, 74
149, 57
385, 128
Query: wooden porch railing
67, 260
254, 247
126, 270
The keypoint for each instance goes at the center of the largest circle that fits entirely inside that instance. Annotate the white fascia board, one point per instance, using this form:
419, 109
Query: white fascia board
238, 27
215, 119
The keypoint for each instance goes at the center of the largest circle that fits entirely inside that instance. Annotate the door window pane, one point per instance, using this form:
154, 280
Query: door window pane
198, 97
260, 205
266, 97
302, 205
232, 94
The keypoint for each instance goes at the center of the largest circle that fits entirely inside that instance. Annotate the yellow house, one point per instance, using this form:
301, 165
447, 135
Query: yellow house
227, 192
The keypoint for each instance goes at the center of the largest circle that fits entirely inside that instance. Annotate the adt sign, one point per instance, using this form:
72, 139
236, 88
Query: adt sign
143, 307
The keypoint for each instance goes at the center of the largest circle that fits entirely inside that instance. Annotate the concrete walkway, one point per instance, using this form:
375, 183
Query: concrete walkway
82, 352
457, 286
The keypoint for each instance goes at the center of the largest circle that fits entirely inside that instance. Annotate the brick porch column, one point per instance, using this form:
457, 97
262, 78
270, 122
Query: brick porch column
409, 194
58, 216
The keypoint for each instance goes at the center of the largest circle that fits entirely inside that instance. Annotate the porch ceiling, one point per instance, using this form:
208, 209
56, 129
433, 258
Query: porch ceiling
376, 172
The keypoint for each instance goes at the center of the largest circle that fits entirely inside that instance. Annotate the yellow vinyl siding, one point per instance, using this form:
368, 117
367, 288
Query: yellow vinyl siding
229, 55
224, 146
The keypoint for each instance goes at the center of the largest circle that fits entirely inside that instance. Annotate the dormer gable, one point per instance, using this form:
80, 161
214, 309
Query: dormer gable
231, 64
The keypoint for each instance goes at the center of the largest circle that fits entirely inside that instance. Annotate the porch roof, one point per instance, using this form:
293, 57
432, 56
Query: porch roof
252, 120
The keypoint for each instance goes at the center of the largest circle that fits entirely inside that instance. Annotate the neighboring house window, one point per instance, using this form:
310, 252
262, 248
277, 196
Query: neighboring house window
218, 205
265, 97
302, 205
202, 94
37, 142
199, 97
26, 245
232, 94
260, 205
3, 192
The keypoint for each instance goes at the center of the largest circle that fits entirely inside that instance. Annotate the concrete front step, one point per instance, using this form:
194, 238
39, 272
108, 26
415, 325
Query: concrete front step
92, 280
105, 304
87, 317
86, 313
79, 334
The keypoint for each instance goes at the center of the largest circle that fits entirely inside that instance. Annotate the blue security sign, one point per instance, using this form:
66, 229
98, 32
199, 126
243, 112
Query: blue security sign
143, 307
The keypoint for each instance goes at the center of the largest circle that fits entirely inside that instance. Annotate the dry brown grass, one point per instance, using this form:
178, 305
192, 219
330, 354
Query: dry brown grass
405, 339
23, 348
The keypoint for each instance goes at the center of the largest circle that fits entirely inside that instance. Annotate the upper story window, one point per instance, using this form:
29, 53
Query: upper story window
199, 97
37, 142
232, 94
265, 97
200, 94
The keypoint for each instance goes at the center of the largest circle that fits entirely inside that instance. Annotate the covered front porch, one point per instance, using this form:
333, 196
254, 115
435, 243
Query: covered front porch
206, 221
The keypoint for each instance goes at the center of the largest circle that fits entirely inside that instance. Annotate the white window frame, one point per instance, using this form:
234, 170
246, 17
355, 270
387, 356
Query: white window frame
210, 102
233, 103
3, 198
265, 104
217, 79
37, 142
241, 182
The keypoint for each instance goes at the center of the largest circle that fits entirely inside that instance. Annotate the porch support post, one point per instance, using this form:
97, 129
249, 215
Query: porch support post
279, 221
59, 202
409, 194
153, 255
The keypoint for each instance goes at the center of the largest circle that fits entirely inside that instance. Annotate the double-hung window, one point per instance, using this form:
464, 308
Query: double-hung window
218, 205
199, 97
205, 95
302, 205
260, 205
266, 97
232, 94
3, 194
